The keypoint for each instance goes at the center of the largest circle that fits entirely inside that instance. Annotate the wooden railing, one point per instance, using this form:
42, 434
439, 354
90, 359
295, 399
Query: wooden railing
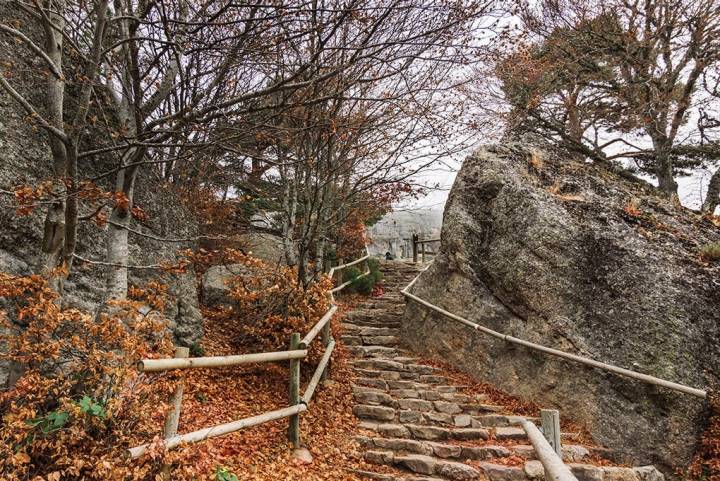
297, 404
547, 443
556, 352
416, 241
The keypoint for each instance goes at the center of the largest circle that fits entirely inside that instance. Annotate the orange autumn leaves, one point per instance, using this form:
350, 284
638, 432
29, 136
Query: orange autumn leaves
79, 403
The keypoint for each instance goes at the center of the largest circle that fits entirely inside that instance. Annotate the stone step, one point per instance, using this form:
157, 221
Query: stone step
393, 365
497, 420
424, 464
506, 433
370, 331
433, 448
353, 340
379, 406
571, 453
389, 375
431, 393
533, 470
426, 432
374, 351
391, 477
375, 322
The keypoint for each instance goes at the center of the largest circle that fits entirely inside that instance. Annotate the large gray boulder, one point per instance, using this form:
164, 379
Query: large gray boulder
571, 256
216, 283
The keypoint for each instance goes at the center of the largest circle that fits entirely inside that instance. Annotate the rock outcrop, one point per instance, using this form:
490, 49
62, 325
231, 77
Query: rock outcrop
571, 256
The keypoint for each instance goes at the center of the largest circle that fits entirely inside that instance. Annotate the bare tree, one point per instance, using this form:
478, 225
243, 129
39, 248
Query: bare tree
640, 64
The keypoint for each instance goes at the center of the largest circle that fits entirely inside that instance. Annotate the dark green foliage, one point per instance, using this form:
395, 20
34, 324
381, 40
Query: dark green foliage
374, 266
92, 407
196, 350
50, 422
351, 273
224, 474
363, 285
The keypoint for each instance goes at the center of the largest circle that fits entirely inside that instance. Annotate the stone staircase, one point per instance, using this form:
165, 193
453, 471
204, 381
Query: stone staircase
421, 427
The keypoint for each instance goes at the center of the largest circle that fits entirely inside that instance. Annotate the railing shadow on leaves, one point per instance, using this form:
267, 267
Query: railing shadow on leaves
297, 404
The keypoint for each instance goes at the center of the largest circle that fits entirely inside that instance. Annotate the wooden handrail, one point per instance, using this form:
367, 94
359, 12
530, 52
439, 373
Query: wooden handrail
349, 264
555, 469
556, 352
312, 385
347, 283
318, 327
154, 365
221, 429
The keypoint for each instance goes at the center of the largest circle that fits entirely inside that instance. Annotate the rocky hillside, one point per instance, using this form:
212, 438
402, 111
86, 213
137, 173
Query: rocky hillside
571, 256
25, 159
393, 233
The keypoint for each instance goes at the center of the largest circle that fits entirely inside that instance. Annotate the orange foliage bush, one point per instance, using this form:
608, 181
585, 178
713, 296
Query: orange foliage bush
78, 403
270, 304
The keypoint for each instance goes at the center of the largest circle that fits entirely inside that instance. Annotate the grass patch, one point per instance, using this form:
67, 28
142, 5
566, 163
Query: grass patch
711, 252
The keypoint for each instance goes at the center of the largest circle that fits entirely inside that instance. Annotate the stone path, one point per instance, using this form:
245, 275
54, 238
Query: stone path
422, 426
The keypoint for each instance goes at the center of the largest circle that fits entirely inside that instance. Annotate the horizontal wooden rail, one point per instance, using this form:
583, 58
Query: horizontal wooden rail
221, 429
347, 283
555, 469
556, 352
426, 241
312, 385
349, 264
317, 328
154, 365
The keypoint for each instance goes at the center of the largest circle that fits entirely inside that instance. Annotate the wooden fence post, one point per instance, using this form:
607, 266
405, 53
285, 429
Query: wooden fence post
422, 249
172, 419
326, 337
294, 391
414, 246
173, 416
550, 420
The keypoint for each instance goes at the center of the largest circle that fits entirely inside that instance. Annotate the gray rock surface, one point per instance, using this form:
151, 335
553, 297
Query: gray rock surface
216, 290
541, 247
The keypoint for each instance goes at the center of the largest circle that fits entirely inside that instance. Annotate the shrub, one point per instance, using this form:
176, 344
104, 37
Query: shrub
363, 285
711, 252
351, 273
196, 350
374, 265
79, 401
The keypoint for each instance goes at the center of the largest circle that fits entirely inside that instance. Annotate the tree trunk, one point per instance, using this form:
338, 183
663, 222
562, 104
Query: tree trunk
289, 213
118, 251
71, 210
712, 199
664, 168
54, 229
